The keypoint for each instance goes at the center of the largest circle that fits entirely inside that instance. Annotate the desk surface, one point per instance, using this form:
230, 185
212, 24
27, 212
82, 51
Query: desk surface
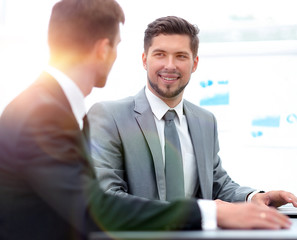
202, 235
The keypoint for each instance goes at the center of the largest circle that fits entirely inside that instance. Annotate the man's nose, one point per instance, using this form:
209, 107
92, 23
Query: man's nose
170, 63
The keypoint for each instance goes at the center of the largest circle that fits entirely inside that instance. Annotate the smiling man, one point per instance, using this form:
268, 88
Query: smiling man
173, 52
140, 152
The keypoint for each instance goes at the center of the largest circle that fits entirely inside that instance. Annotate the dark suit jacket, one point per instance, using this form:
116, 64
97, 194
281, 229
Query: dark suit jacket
128, 156
48, 186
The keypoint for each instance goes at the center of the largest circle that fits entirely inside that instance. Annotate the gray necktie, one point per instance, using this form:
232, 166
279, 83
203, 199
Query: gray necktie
173, 159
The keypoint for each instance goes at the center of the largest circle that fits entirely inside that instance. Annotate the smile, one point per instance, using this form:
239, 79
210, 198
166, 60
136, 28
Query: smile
169, 77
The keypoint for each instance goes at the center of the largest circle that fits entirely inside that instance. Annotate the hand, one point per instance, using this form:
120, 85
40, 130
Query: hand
275, 198
249, 216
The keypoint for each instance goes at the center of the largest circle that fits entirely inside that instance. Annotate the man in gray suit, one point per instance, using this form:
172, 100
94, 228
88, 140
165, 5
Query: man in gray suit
128, 135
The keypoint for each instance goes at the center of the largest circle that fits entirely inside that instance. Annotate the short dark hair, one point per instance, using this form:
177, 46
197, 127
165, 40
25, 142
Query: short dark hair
172, 25
75, 25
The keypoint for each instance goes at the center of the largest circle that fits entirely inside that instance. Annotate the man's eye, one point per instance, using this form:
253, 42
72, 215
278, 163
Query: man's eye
159, 54
182, 56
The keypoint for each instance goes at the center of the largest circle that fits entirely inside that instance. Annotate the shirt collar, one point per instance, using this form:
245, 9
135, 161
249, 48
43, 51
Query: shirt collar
72, 92
159, 108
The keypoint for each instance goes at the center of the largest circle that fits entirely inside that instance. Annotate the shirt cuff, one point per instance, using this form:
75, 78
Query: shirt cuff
249, 199
208, 211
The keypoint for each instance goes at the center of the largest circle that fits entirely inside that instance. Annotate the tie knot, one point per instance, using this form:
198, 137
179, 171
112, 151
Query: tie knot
169, 115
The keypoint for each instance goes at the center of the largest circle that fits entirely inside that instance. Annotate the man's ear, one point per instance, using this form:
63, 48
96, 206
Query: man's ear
144, 60
196, 60
102, 48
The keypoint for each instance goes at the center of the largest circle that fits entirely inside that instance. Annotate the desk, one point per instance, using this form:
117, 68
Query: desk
202, 235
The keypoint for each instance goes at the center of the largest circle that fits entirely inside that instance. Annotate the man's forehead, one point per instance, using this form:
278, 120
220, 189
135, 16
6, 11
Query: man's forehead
172, 42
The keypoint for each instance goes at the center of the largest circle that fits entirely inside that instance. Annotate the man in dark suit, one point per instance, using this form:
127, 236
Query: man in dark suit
48, 185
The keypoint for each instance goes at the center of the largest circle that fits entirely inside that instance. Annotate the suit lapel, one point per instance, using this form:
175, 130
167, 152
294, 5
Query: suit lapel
56, 91
195, 130
146, 121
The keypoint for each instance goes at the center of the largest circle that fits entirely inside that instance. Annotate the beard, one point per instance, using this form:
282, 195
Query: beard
168, 93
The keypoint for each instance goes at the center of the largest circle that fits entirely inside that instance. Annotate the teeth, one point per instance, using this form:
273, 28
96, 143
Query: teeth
169, 79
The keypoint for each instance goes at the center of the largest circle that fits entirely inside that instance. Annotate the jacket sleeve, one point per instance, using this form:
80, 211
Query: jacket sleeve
107, 151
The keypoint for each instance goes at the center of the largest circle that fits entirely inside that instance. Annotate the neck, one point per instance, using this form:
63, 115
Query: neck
79, 74
172, 103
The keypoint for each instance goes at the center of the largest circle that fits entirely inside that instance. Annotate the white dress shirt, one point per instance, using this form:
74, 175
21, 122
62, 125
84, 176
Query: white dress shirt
159, 108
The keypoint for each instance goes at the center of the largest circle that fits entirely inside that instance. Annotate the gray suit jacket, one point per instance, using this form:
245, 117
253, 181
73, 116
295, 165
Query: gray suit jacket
128, 158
